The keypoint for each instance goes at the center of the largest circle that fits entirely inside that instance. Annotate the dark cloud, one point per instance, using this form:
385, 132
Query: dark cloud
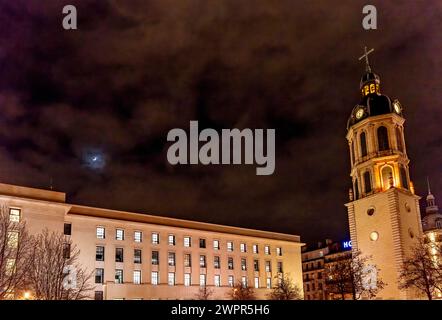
136, 69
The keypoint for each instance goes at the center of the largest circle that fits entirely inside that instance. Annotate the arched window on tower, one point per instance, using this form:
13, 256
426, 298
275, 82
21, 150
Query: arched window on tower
400, 145
404, 179
356, 190
367, 182
363, 141
383, 138
387, 177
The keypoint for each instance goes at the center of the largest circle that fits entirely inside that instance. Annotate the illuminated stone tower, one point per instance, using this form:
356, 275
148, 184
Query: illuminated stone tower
383, 211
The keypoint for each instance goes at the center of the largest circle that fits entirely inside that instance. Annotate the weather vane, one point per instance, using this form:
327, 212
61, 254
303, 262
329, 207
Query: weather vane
365, 55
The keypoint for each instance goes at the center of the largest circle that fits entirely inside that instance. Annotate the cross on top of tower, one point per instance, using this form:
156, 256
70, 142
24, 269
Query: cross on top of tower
365, 55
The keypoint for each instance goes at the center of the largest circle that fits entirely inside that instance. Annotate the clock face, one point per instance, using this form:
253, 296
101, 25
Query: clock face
359, 113
397, 107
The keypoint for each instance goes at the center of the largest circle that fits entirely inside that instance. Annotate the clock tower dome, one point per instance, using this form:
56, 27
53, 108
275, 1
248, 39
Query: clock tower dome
383, 211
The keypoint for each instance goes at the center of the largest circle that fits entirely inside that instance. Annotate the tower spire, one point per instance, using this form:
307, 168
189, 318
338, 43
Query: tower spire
365, 56
428, 185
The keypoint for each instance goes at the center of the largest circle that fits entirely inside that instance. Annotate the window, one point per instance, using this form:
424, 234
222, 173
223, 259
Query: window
12, 239
363, 141
216, 262
217, 280
137, 276
279, 251
171, 279
138, 236
99, 275
404, 179
155, 258
230, 246
14, 215
243, 264
118, 254
243, 247
98, 295
154, 278
280, 270
268, 266
99, 253
67, 229
137, 255
367, 181
383, 138
171, 240
256, 282
155, 238
356, 187
202, 280
244, 282
100, 233
387, 177
187, 260
118, 276
352, 152
230, 263
202, 243
187, 242
255, 249
171, 259
269, 283
216, 244
400, 145
66, 250
187, 280
256, 265
231, 281
119, 235
267, 249
202, 261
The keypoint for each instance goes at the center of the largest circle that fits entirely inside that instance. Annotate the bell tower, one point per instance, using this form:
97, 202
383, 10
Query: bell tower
383, 211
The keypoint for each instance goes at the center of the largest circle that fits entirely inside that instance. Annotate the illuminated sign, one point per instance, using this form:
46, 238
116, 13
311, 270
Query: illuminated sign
346, 244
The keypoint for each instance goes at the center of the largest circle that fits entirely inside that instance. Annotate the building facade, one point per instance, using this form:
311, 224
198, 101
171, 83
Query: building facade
138, 256
383, 211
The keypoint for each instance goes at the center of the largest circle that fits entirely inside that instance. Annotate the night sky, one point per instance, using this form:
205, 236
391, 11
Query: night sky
90, 109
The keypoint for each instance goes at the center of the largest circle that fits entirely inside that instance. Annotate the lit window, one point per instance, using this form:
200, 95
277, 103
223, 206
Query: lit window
10, 266
171, 240
187, 260
216, 244
267, 249
14, 215
100, 233
255, 249
99, 253
138, 236
137, 277
154, 278
12, 239
268, 266
202, 280
230, 246
187, 280
202, 261
155, 238
244, 282
155, 258
216, 262
243, 247
269, 283
118, 276
256, 265
171, 279
137, 255
243, 264
279, 251
217, 280
187, 242
231, 281
119, 235
99, 275
171, 259
230, 263
256, 282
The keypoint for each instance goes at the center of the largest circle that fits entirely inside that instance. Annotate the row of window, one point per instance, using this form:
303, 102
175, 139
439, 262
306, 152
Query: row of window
171, 258
171, 279
313, 287
187, 241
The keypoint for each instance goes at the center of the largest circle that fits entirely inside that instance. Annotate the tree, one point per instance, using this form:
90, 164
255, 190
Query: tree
15, 249
353, 275
56, 274
204, 293
285, 289
422, 270
241, 292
